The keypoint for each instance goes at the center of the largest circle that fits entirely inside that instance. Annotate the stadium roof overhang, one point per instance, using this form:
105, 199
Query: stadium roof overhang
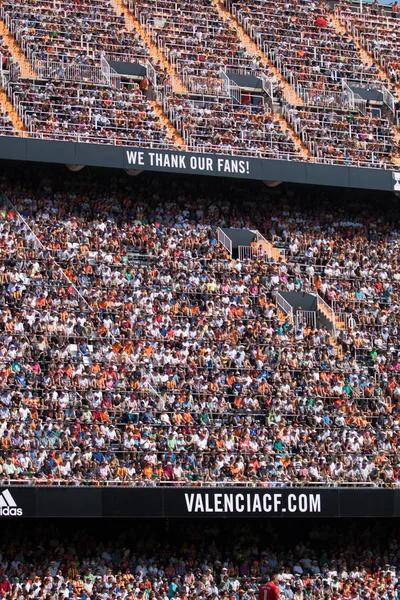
79, 154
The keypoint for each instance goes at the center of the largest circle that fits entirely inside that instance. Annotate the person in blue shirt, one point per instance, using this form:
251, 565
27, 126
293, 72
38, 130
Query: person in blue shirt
173, 588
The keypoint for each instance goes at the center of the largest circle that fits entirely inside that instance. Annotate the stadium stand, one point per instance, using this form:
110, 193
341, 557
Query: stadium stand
320, 60
205, 50
137, 351
57, 109
376, 31
342, 136
303, 42
199, 44
61, 31
207, 560
219, 125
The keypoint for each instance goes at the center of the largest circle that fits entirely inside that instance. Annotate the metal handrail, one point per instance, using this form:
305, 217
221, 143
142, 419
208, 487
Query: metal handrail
224, 240
234, 483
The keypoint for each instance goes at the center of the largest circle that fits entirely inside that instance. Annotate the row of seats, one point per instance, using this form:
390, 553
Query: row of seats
199, 43
302, 41
378, 34
77, 32
345, 137
220, 125
88, 112
203, 559
134, 349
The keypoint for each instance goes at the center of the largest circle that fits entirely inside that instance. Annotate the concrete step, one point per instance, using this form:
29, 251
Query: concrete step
17, 54
156, 57
175, 135
8, 107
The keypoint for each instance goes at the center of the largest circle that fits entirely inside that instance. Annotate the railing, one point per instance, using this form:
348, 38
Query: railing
285, 307
327, 310
245, 252
239, 483
121, 140
306, 317
231, 88
224, 240
346, 318
71, 72
268, 84
109, 74
389, 99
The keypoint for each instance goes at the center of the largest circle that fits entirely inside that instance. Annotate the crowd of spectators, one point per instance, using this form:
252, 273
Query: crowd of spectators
304, 44
6, 124
198, 42
220, 125
347, 137
208, 560
58, 109
5, 54
72, 32
377, 31
66, 41
135, 350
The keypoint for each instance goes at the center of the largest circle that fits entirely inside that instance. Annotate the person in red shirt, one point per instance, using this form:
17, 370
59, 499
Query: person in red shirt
270, 590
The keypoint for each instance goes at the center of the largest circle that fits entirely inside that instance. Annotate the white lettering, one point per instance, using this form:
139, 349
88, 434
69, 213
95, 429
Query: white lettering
209, 164
292, 506
267, 506
315, 503
10, 512
277, 502
199, 504
174, 161
218, 503
135, 158
189, 498
303, 503
242, 166
151, 156
208, 507
239, 503
182, 164
257, 504
228, 503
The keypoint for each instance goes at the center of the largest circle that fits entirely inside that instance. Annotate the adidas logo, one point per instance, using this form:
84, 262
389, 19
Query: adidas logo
8, 506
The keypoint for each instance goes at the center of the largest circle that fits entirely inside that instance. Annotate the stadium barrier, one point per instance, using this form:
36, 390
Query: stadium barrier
121, 156
128, 502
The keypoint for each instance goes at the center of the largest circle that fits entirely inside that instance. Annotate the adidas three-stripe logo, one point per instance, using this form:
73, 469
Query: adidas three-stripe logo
8, 506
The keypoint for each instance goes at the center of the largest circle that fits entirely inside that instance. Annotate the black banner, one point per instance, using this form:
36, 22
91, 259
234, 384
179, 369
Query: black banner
135, 160
192, 502
251, 503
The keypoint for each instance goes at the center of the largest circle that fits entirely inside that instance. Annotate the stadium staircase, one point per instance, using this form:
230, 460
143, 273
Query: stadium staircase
367, 58
156, 56
26, 71
179, 142
8, 107
288, 92
17, 54
248, 243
